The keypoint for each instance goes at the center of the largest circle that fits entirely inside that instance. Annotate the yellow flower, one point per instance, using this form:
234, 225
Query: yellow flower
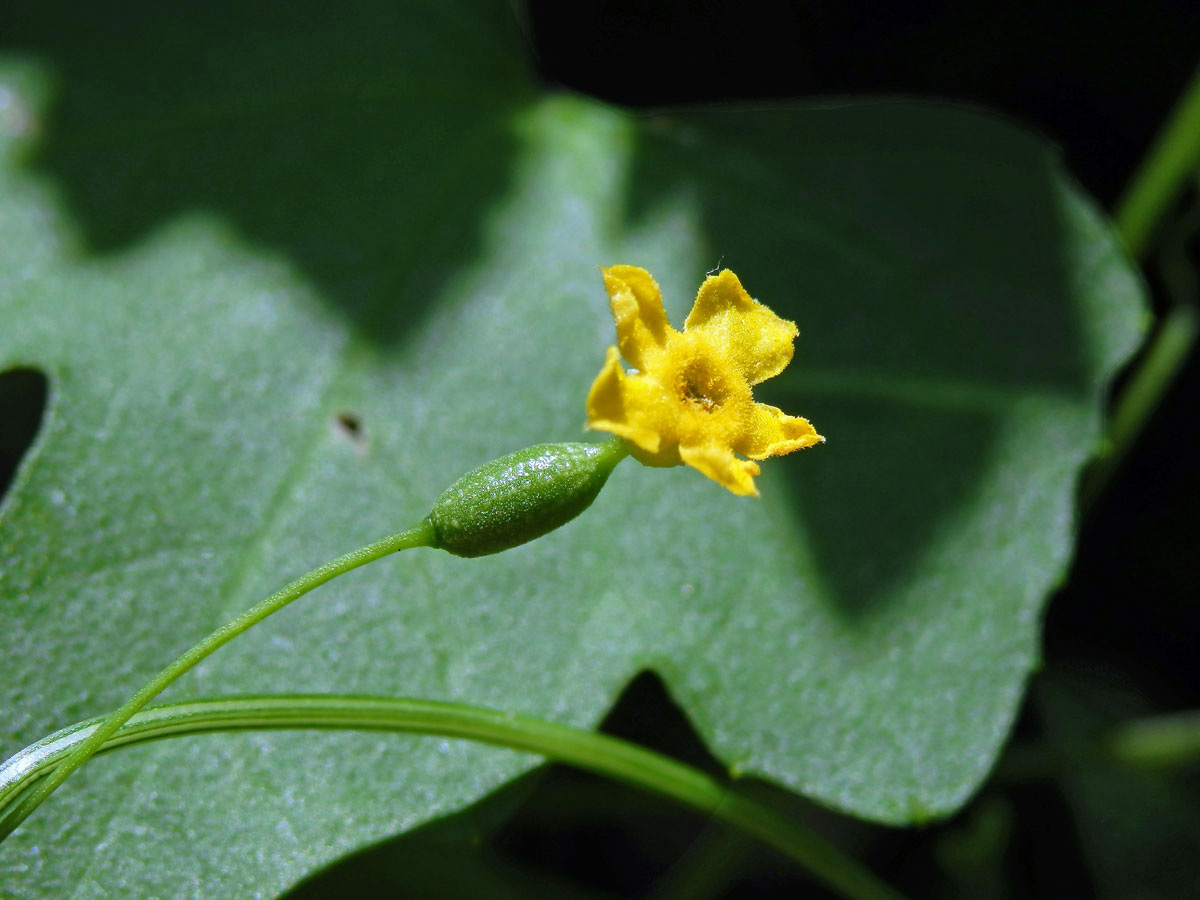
687, 399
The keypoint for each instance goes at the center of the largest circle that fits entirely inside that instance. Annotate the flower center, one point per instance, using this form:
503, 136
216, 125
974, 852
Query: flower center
699, 387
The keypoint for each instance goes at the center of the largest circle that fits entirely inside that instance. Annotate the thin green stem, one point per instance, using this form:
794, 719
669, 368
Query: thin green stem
1157, 742
420, 536
1167, 353
1174, 156
1167, 741
711, 863
600, 753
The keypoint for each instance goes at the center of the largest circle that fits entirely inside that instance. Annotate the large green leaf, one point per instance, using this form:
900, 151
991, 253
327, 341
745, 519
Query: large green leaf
223, 230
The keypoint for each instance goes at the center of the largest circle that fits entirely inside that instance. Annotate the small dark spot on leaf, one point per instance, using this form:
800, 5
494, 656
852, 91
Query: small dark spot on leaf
22, 406
349, 424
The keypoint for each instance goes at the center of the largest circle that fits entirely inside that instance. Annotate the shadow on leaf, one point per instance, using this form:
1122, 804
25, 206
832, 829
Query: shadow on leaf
928, 284
357, 143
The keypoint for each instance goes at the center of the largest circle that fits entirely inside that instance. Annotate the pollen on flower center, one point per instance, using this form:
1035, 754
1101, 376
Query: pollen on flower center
700, 389
697, 399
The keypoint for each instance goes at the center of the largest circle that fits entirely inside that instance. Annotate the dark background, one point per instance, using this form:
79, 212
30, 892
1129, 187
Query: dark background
1120, 636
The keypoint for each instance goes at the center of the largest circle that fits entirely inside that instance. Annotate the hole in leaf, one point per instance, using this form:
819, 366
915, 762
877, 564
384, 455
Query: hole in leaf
23, 394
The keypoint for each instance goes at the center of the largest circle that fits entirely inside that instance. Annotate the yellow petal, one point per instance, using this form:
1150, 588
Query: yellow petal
756, 340
613, 404
772, 432
642, 326
719, 464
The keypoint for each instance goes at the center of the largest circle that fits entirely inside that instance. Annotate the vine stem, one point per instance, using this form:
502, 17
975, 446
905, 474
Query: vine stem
1162, 742
600, 753
1157, 742
421, 536
1170, 162
1160, 364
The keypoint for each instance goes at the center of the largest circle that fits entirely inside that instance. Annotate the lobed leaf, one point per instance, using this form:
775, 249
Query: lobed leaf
290, 275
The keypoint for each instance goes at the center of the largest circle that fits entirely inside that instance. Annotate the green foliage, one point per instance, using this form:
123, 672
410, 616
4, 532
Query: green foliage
291, 276
1139, 828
